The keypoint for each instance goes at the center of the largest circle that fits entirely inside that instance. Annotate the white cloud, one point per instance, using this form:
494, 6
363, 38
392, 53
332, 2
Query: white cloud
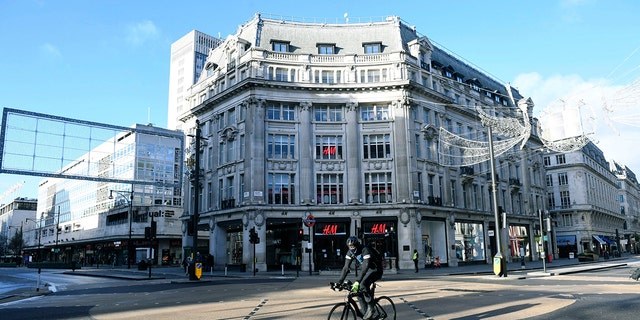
50, 51
615, 139
140, 32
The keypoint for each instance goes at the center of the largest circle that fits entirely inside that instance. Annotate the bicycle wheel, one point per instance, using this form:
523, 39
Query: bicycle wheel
386, 308
342, 311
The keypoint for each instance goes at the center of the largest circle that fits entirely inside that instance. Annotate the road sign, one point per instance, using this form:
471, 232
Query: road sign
198, 269
309, 221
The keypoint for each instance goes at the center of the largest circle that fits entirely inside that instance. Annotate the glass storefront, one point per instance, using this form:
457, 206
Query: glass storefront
566, 244
470, 245
329, 244
234, 246
434, 241
283, 245
381, 234
519, 238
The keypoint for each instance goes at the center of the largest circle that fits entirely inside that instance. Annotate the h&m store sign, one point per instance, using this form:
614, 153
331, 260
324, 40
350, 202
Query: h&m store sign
340, 228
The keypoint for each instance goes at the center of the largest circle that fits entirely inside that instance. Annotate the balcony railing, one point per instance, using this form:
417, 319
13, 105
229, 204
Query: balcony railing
227, 204
434, 201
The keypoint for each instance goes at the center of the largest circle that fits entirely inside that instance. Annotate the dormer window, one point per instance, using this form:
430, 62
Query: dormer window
474, 84
448, 72
372, 47
326, 48
280, 46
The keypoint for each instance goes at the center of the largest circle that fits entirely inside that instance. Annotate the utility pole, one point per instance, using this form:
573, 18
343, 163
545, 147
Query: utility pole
542, 245
195, 181
499, 265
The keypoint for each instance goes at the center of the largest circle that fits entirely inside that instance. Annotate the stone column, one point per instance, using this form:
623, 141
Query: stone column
352, 156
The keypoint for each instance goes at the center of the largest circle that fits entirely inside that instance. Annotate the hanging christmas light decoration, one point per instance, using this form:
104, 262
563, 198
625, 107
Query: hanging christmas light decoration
458, 151
622, 106
564, 127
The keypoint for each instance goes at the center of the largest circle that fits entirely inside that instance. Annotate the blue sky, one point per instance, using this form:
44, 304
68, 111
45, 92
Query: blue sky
108, 61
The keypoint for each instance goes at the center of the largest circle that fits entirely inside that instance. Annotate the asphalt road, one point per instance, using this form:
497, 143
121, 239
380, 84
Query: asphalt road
597, 294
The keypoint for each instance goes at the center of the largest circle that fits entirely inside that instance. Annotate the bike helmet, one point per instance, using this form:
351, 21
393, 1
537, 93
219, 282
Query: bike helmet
353, 241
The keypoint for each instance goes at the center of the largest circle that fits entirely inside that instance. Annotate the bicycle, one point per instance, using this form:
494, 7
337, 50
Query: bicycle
350, 310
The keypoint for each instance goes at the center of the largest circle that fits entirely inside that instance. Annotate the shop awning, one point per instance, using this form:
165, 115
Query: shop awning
607, 240
599, 239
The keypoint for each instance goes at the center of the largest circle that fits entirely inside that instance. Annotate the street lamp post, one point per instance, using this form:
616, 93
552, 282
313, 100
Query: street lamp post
130, 203
39, 227
195, 180
56, 250
39, 239
15, 236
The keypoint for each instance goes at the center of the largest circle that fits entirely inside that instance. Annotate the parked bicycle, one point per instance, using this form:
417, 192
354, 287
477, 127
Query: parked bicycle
349, 309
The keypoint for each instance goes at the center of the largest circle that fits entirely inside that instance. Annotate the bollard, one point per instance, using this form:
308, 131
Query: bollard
283, 269
225, 271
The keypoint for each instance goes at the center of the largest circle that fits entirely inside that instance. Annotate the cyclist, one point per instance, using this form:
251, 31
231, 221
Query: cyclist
370, 261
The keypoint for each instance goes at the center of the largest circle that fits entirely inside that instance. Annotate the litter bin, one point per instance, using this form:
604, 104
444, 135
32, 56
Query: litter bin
571, 255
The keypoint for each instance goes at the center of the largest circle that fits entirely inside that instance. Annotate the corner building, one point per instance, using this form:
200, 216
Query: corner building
340, 122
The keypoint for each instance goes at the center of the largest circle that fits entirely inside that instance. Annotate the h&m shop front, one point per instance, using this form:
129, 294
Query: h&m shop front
330, 236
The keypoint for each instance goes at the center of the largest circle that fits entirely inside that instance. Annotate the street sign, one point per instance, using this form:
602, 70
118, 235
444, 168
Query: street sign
198, 269
309, 221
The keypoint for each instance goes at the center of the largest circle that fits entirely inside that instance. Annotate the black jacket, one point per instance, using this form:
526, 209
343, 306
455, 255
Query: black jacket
369, 259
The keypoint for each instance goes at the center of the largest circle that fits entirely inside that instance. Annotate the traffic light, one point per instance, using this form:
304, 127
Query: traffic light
300, 234
147, 233
154, 229
253, 236
547, 222
502, 218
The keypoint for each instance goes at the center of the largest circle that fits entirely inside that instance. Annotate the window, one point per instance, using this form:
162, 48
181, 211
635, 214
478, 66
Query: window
454, 195
565, 199
562, 179
567, 220
621, 198
549, 179
560, 159
230, 146
328, 147
281, 74
280, 46
281, 188
551, 200
281, 111
373, 76
429, 149
329, 189
370, 48
378, 188
547, 161
326, 48
377, 146
280, 146
328, 77
228, 193
373, 113
328, 113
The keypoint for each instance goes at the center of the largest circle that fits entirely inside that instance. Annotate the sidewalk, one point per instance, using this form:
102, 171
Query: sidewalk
532, 268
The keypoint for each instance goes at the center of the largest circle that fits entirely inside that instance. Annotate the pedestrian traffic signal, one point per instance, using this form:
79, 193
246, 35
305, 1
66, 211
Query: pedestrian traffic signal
300, 234
253, 236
